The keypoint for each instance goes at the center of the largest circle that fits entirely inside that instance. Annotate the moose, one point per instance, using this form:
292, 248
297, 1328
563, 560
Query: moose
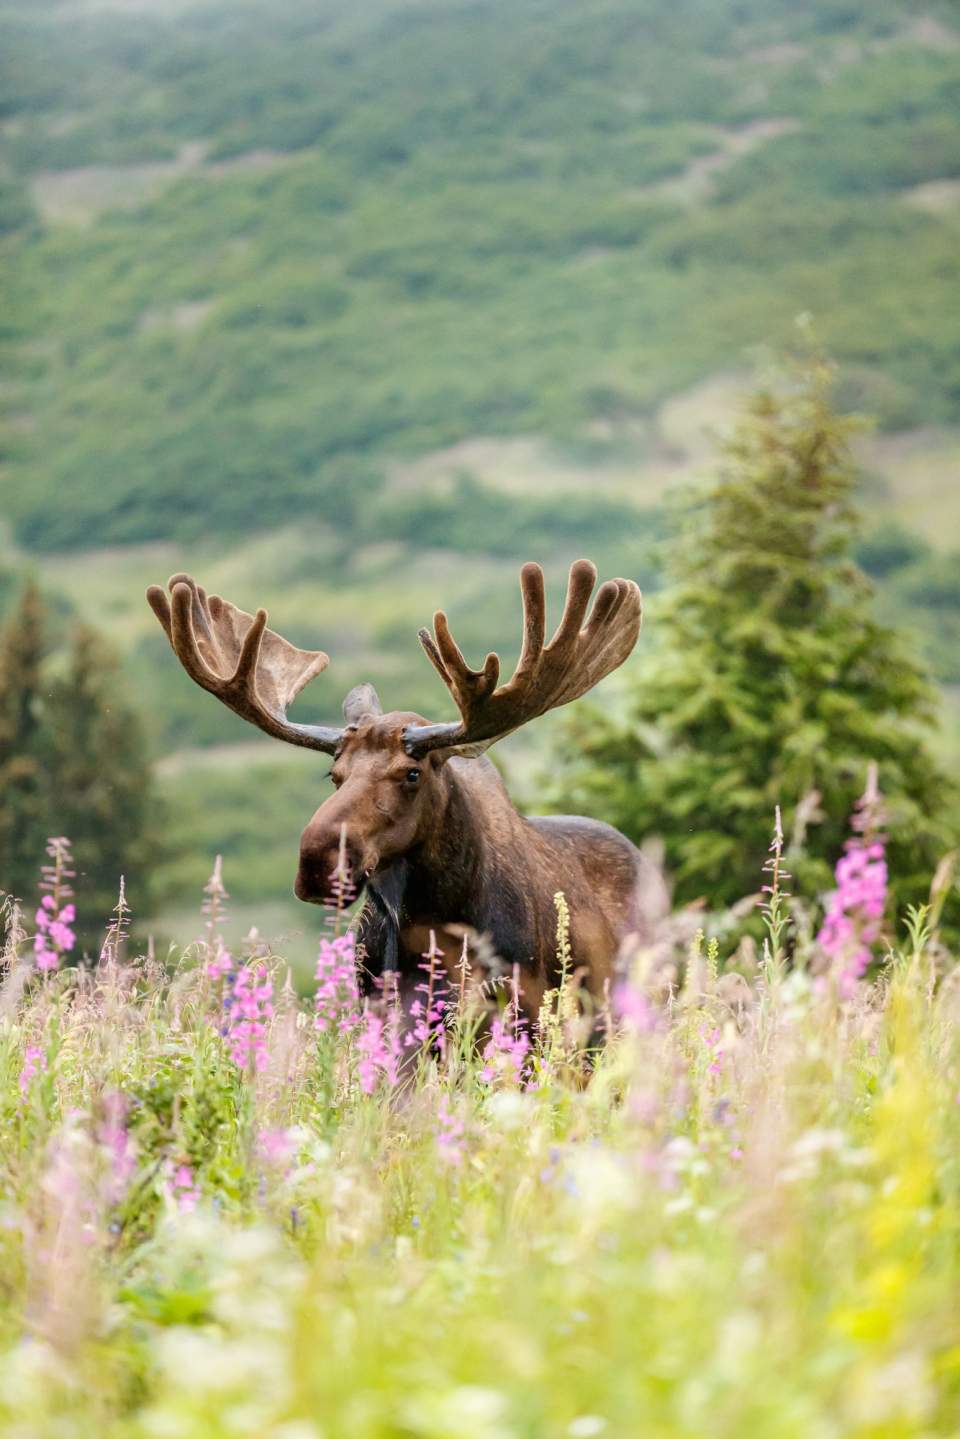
428, 829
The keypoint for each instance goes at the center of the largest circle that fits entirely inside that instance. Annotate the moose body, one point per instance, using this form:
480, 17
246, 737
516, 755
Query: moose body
481, 867
420, 818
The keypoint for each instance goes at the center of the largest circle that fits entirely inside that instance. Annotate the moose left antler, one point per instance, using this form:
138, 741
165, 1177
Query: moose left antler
420, 816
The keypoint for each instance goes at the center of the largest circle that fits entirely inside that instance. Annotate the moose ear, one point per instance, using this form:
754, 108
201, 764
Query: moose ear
362, 700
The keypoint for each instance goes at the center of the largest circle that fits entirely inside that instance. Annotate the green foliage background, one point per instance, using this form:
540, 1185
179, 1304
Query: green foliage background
772, 686
260, 260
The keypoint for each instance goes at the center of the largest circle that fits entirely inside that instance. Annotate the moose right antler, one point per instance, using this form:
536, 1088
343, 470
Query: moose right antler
546, 676
254, 671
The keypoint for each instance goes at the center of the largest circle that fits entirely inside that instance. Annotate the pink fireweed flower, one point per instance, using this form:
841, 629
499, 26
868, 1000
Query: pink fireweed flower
55, 938
112, 1135
34, 1063
55, 914
854, 910
428, 1010
715, 1055
220, 964
449, 1134
506, 1052
337, 1000
183, 1189
250, 1006
634, 1009
276, 1146
378, 1052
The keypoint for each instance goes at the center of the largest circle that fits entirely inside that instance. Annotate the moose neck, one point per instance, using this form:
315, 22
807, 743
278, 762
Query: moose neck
445, 875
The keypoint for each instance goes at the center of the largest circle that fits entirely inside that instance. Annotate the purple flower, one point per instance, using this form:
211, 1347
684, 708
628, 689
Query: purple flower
221, 963
250, 1007
276, 1146
449, 1134
854, 910
634, 1009
113, 1135
378, 1048
183, 1189
715, 1055
34, 1061
337, 999
506, 1051
55, 914
428, 1010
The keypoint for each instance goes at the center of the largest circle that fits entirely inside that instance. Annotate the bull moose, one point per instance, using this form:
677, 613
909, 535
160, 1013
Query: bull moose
429, 829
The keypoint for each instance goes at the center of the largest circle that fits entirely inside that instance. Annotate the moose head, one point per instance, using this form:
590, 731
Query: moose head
390, 796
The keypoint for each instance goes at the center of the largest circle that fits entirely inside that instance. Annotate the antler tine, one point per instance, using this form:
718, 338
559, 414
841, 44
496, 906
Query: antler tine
231, 654
534, 616
582, 651
583, 577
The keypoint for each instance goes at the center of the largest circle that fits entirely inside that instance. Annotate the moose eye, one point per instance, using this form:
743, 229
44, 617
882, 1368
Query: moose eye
412, 776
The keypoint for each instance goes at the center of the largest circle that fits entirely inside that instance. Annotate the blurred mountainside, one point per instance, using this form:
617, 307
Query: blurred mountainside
351, 307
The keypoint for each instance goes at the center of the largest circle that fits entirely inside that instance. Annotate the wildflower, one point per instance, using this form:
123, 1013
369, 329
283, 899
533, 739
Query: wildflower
378, 1048
633, 1008
854, 911
276, 1146
428, 1010
116, 1141
711, 1040
183, 1189
221, 962
250, 1007
337, 1000
449, 1135
505, 1052
55, 914
34, 1062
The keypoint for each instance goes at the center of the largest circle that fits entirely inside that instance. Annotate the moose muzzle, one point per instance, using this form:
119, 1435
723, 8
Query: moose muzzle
329, 859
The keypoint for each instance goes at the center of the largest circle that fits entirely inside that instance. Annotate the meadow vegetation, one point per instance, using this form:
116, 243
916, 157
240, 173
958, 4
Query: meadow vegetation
228, 1211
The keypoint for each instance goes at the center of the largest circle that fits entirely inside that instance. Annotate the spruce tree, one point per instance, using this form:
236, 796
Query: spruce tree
23, 740
768, 678
104, 800
72, 762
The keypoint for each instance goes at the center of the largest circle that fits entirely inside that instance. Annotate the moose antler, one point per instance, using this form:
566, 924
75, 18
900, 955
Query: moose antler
254, 671
579, 655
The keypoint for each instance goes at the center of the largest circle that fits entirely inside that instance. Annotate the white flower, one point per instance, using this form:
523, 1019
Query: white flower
586, 1426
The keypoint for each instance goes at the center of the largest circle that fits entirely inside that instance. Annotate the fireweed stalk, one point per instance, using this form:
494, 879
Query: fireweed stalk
507, 1050
56, 913
219, 961
429, 1009
251, 1007
854, 910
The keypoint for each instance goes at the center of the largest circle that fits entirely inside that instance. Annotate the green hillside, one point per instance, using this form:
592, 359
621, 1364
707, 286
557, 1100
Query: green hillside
351, 307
